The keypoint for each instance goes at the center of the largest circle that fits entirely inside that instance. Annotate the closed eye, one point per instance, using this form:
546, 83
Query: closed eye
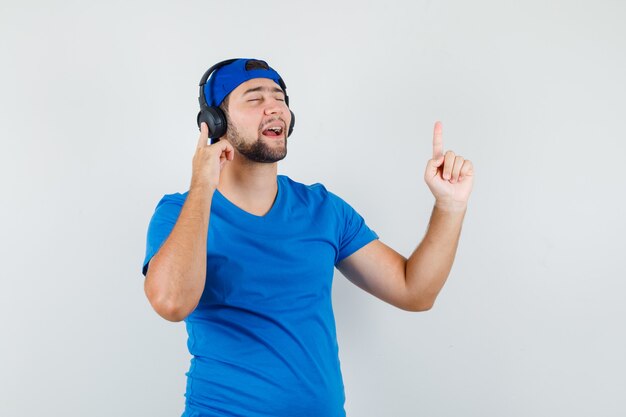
258, 99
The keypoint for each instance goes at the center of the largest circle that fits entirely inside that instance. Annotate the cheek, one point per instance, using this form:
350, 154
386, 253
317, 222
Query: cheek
246, 123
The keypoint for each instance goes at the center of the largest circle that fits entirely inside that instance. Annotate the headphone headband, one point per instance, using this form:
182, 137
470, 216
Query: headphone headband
205, 77
207, 74
215, 67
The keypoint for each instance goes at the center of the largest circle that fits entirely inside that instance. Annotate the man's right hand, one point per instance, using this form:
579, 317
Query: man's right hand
209, 160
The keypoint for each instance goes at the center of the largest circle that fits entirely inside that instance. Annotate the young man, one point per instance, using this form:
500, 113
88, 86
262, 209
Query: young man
246, 259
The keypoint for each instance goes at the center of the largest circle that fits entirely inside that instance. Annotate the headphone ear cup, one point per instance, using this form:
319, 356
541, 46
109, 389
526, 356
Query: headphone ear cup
199, 119
292, 124
215, 119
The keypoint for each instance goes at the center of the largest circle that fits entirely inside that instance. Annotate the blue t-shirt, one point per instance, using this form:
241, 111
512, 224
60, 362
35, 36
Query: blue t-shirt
263, 338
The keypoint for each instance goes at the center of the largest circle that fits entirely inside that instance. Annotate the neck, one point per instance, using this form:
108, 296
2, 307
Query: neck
251, 183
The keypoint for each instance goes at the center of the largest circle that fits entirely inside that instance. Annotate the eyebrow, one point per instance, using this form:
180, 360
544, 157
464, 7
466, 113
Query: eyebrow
261, 88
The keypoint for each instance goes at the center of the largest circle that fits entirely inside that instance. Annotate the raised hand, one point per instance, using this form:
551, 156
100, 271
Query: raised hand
209, 160
450, 177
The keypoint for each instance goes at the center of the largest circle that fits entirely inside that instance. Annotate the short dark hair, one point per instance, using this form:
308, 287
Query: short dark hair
253, 64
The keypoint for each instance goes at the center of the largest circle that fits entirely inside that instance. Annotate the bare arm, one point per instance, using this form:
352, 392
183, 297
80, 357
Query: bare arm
414, 284
177, 272
429, 265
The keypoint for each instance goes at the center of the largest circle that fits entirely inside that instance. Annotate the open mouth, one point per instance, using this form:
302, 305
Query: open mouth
273, 132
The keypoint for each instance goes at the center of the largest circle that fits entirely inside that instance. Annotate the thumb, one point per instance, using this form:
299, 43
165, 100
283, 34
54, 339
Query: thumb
433, 165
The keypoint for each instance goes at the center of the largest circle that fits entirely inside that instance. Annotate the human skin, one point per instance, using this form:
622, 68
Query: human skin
413, 284
175, 279
176, 274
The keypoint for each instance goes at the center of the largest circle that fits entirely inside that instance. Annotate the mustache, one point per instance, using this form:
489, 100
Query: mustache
273, 119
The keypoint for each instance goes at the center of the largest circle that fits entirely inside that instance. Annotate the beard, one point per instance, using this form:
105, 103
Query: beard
259, 150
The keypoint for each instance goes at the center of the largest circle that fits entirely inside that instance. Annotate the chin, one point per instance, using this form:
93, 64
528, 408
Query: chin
264, 154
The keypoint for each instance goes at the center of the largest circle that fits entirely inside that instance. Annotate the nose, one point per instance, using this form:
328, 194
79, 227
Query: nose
274, 107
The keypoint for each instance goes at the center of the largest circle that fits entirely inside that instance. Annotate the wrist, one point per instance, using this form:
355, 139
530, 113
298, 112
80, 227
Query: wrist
451, 206
202, 192
199, 187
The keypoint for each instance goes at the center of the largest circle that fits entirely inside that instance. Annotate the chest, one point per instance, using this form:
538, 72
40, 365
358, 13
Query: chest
249, 268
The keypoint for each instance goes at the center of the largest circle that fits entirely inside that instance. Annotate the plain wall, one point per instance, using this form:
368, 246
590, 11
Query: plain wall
97, 121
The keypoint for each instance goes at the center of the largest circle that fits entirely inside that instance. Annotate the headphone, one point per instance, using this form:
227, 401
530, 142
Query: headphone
214, 117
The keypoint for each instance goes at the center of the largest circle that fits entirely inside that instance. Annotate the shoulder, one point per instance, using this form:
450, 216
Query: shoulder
171, 203
306, 191
316, 191
301, 187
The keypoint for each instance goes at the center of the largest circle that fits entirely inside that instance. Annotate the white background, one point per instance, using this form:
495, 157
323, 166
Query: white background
97, 121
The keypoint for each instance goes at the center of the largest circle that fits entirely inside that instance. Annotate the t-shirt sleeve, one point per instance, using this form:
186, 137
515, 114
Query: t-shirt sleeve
353, 231
161, 224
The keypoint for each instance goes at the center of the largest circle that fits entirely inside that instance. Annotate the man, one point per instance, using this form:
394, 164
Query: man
246, 259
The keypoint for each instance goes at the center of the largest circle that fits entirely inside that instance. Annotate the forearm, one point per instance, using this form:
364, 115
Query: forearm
177, 272
429, 265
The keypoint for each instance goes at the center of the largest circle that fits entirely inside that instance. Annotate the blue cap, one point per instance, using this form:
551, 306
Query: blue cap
227, 78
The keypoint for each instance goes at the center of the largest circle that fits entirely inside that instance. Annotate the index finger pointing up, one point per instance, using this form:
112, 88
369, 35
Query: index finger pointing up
204, 135
437, 141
